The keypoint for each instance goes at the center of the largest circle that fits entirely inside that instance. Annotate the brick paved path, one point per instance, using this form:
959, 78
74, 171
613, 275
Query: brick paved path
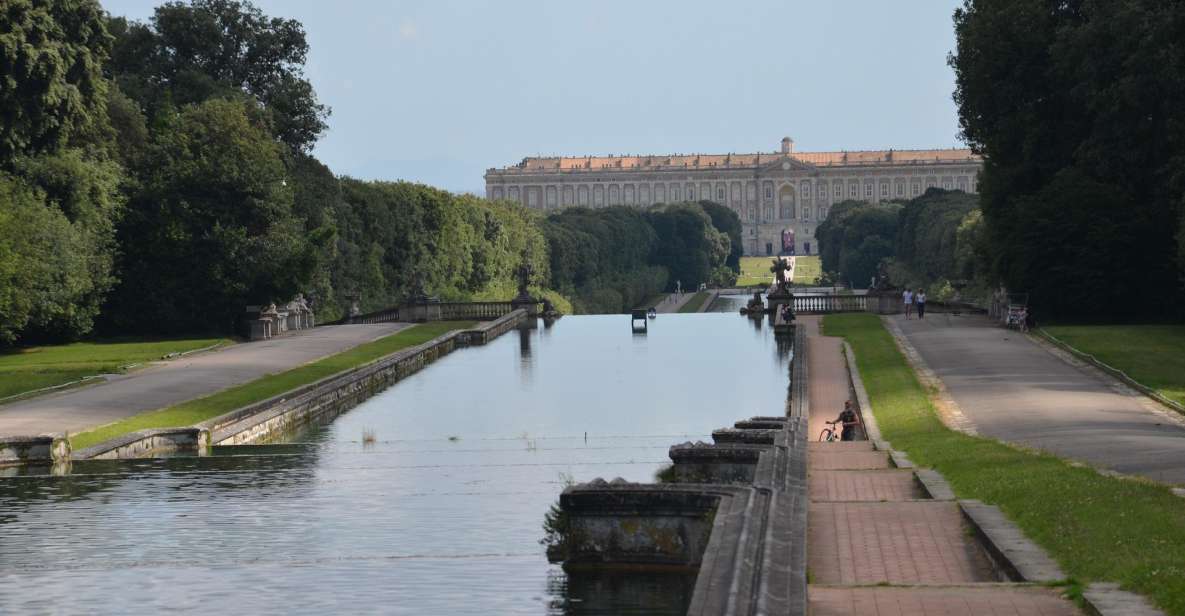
869, 529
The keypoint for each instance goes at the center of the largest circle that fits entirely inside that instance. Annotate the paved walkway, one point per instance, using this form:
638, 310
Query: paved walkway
874, 545
168, 383
674, 301
1013, 389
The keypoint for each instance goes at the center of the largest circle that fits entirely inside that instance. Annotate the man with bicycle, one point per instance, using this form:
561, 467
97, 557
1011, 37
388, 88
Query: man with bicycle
849, 419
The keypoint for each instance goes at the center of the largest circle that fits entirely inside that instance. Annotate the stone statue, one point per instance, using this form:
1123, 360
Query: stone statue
779, 269
523, 273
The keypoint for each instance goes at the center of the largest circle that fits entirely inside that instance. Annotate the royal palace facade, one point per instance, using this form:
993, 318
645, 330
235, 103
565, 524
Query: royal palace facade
780, 196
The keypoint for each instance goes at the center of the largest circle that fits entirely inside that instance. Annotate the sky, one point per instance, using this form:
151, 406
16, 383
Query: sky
438, 91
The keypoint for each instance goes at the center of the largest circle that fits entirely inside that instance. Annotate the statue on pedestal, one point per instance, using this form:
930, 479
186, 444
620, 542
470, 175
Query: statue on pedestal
779, 269
523, 274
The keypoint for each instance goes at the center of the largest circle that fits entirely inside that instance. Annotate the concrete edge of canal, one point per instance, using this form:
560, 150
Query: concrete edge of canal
736, 512
316, 402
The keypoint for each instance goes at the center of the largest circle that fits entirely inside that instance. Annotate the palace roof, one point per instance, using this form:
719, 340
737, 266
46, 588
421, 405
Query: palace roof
741, 161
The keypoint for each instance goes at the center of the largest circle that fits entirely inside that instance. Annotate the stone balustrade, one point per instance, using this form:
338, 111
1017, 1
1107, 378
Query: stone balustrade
269, 321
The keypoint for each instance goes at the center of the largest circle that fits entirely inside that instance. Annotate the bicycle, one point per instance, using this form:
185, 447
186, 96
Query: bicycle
830, 435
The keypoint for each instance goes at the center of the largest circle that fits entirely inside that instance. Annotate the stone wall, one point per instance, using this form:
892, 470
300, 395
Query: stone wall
746, 491
317, 402
326, 399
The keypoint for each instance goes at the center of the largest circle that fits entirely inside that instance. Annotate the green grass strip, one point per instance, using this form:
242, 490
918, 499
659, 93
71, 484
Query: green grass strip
211, 406
807, 269
1152, 355
755, 270
25, 369
1098, 528
696, 301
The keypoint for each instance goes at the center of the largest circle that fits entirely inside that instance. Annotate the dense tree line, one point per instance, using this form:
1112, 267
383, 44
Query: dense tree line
854, 239
1079, 110
613, 259
157, 178
930, 241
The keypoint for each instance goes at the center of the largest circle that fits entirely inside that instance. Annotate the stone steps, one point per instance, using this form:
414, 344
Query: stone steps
843, 460
844, 446
879, 544
911, 542
982, 600
875, 485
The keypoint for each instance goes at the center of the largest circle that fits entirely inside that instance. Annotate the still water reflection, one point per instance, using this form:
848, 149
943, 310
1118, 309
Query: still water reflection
441, 515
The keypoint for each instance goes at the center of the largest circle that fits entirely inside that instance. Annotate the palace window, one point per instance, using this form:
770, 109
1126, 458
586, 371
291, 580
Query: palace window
900, 190
853, 190
806, 212
769, 192
917, 189
946, 183
838, 191
720, 194
868, 190
884, 189
822, 213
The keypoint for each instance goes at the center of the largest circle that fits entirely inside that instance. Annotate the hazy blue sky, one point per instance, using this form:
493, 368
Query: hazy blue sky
438, 91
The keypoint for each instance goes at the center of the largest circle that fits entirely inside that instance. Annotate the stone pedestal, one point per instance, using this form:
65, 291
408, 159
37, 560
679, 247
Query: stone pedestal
423, 308
780, 297
261, 329
528, 303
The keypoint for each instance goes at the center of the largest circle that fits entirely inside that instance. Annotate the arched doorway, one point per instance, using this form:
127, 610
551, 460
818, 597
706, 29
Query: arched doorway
787, 241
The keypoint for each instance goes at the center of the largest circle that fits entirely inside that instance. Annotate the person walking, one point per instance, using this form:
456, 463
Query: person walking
849, 421
921, 299
907, 299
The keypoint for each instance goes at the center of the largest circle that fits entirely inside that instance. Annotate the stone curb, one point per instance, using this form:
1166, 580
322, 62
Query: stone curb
934, 484
900, 459
1105, 599
143, 442
1014, 554
949, 412
871, 428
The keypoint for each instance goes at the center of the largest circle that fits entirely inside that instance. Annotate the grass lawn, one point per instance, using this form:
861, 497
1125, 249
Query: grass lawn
227, 400
30, 368
1153, 355
1098, 528
807, 269
755, 270
697, 300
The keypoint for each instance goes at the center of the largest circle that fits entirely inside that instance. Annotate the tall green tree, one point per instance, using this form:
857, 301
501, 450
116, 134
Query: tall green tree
191, 52
51, 56
212, 228
1092, 90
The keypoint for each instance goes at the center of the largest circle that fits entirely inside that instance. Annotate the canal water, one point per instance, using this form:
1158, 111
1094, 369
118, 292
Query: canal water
440, 514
